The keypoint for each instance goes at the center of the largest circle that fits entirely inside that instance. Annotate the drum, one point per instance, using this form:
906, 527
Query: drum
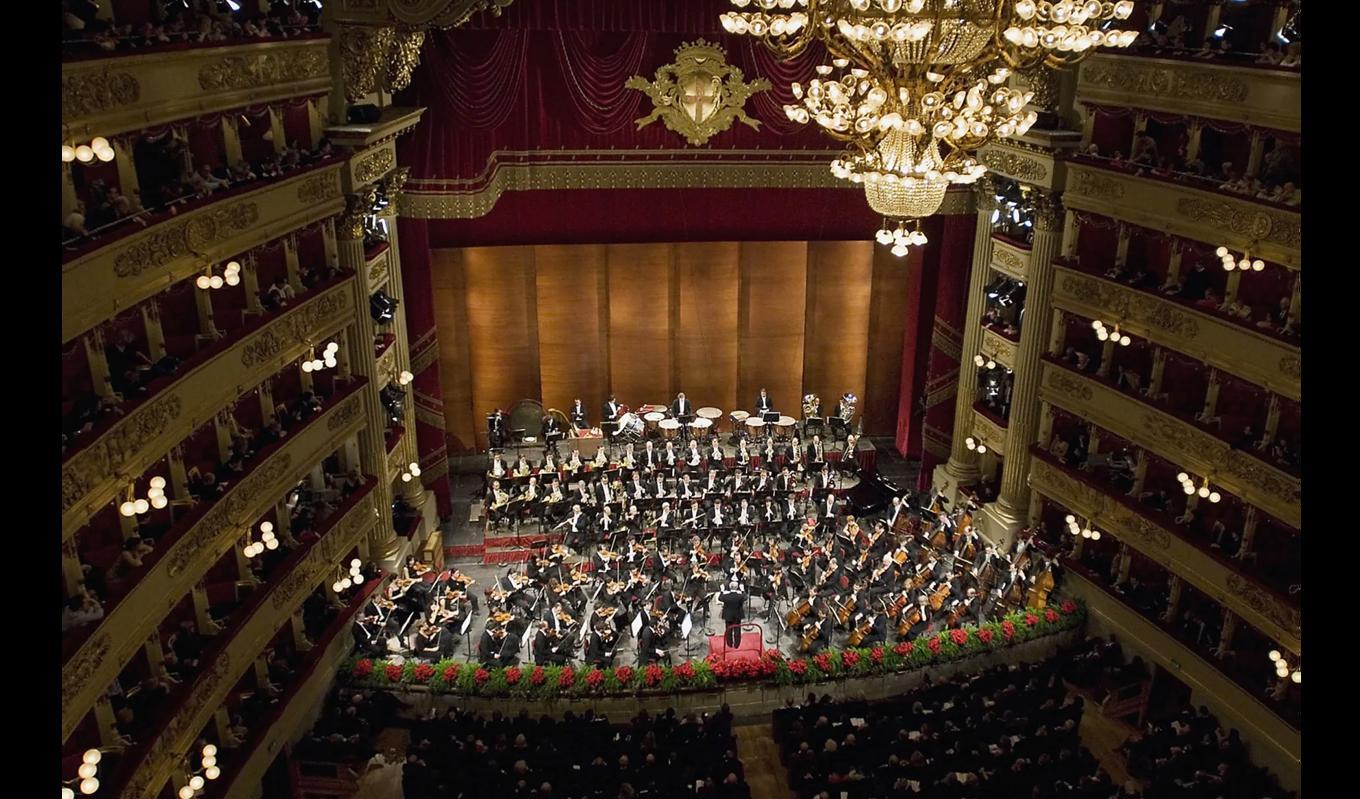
630, 425
711, 414
738, 418
755, 428
784, 427
670, 428
653, 419
701, 427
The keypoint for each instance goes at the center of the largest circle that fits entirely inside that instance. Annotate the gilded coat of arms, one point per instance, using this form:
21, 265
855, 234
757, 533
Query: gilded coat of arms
700, 94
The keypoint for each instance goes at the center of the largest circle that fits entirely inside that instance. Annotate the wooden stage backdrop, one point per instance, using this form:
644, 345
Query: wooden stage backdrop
716, 320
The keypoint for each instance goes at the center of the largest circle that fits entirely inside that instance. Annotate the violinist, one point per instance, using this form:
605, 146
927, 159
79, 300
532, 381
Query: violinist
547, 647
600, 646
648, 650
494, 638
694, 517
664, 520
427, 642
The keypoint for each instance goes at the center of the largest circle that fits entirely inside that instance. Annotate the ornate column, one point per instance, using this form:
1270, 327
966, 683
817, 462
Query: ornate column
1003, 518
1173, 602
1249, 525
1211, 21
1125, 562
962, 468
1158, 372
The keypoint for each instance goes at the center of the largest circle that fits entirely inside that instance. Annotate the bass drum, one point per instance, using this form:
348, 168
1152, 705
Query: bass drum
527, 415
631, 426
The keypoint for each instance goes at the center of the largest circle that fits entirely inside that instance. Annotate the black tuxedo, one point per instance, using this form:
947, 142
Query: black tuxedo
682, 408
609, 412
733, 611
764, 405
578, 416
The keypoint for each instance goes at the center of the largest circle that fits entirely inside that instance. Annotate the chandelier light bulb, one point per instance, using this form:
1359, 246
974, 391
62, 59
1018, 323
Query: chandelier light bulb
84, 154
216, 281
1070, 518
99, 143
979, 360
358, 579
1214, 497
1297, 676
405, 378
209, 750
307, 366
89, 785
1257, 265
991, 364
212, 772
272, 544
1274, 655
196, 782
68, 154
1095, 535
87, 770
106, 155
415, 469
158, 482
1125, 341
92, 756
335, 587
1203, 492
141, 506
159, 501
232, 280
1182, 477
982, 449
1097, 325
203, 282
406, 477
186, 793
67, 793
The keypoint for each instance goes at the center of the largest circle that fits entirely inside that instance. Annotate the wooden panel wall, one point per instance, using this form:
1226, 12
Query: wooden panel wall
836, 349
718, 320
705, 328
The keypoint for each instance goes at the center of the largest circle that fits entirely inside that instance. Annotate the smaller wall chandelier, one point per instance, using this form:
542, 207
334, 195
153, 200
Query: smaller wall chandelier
209, 770
1244, 263
98, 147
984, 362
1083, 530
87, 776
1203, 490
327, 361
231, 276
1282, 669
405, 378
975, 446
1111, 335
155, 498
268, 540
412, 470
353, 577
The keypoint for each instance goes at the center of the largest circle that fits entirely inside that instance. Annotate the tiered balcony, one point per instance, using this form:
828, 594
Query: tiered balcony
193, 545
246, 634
1249, 94
93, 475
122, 272
1207, 569
1271, 231
122, 93
1238, 349
1238, 472
1010, 257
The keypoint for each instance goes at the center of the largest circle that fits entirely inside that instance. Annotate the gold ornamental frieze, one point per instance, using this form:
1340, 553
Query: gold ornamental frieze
990, 433
137, 91
111, 279
699, 95
1243, 475
1237, 350
1269, 98
1010, 260
1260, 608
374, 165
210, 688
1014, 164
1269, 231
128, 624
94, 476
998, 348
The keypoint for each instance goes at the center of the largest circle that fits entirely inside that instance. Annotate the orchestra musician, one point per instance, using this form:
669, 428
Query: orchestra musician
548, 646
816, 455
682, 409
609, 416
733, 611
552, 431
577, 415
495, 429
764, 404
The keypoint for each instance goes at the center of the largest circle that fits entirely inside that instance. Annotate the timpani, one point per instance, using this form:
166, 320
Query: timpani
653, 420
784, 427
738, 419
670, 428
709, 413
701, 427
755, 427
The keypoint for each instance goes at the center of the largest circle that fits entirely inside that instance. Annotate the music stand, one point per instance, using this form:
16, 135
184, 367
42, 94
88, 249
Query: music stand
770, 417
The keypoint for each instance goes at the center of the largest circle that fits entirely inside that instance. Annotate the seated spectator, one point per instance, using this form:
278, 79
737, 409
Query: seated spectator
134, 549
74, 224
79, 611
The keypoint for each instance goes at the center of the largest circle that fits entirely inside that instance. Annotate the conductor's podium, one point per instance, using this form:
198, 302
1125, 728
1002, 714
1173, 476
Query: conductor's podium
752, 644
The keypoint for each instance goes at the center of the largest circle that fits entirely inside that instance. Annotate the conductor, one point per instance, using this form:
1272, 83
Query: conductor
733, 609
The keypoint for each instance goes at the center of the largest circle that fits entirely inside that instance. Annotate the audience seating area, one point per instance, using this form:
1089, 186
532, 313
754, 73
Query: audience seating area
136, 27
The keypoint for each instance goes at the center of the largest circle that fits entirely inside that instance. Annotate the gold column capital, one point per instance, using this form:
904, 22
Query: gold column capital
1048, 210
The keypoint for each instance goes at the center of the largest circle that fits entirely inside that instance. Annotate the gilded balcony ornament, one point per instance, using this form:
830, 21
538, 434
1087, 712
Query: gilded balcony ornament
1290, 366
1187, 83
94, 464
1044, 83
700, 94
350, 223
294, 328
441, 13
1265, 604
233, 512
375, 165
175, 240
75, 675
403, 56
318, 188
1064, 383
1014, 165
1099, 187
1255, 224
1008, 259
1048, 210
363, 52
87, 93
258, 70
393, 184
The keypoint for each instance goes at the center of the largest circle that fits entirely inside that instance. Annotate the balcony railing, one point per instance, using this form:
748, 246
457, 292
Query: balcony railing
100, 283
193, 545
1237, 707
1238, 472
1271, 231
1268, 98
1243, 351
1010, 257
109, 96
248, 631
1215, 575
989, 429
247, 763
93, 475
998, 347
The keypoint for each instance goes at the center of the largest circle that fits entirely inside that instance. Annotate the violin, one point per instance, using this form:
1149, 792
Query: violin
565, 617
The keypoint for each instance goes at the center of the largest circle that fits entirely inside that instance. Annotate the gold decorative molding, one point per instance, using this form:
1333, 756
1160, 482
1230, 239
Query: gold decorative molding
998, 348
106, 281
350, 224
1015, 166
378, 58
1269, 98
1250, 479
989, 432
374, 166
699, 95
394, 183
128, 624
1240, 351
1241, 223
94, 476
123, 93
253, 70
1172, 551
94, 92
1009, 259
210, 688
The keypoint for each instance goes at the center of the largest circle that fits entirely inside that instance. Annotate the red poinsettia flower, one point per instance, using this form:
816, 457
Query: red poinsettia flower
363, 667
594, 677
1068, 607
423, 672
537, 676
876, 654
1050, 616
567, 678
850, 657
451, 672
1031, 620
798, 666
1008, 628
512, 675
959, 636
985, 636
904, 648
393, 672
481, 675
934, 645
823, 661
623, 674
685, 671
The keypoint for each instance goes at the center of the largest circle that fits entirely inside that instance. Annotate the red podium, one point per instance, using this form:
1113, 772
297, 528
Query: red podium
752, 643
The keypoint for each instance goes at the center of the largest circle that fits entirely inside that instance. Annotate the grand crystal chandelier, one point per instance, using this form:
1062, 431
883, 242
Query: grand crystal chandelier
915, 87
